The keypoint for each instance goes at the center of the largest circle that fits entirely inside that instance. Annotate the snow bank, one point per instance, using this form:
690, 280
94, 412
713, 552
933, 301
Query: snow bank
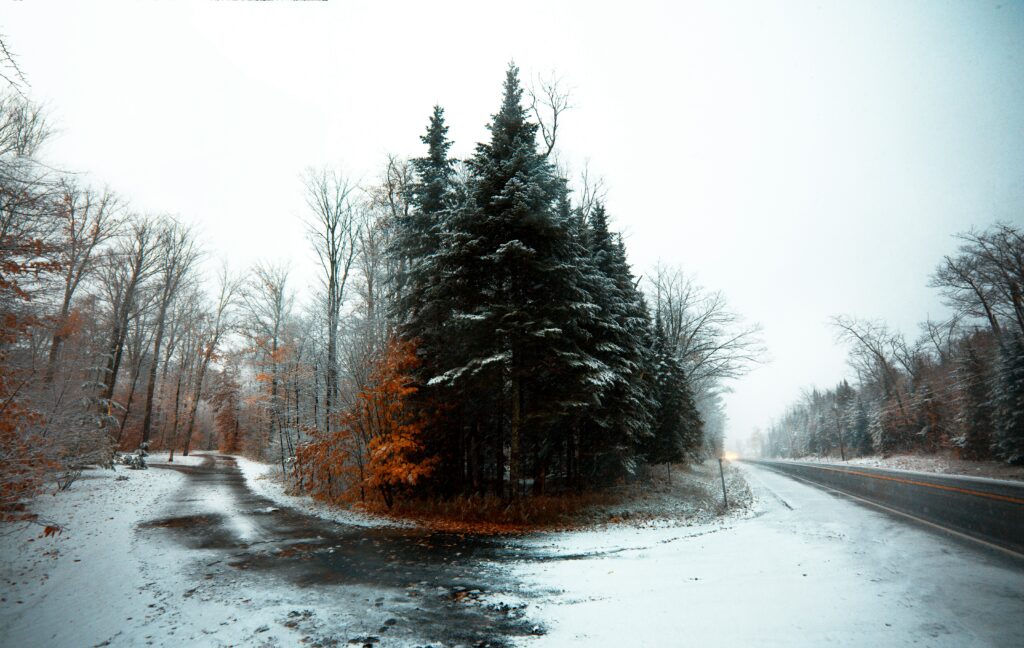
693, 495
936, 463
194, 459
82, 586
266, 480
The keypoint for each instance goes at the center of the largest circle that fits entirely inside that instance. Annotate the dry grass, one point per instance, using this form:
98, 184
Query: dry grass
489, 514
686, 494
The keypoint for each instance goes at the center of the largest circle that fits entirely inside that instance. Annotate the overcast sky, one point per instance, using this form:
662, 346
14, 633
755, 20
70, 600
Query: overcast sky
808, 159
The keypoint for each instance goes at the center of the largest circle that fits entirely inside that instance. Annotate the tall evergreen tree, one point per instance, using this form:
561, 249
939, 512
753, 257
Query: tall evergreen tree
432, 191
513, 294
1008, 401
623, 344
419, 234
976, 420
860, 432
677, 425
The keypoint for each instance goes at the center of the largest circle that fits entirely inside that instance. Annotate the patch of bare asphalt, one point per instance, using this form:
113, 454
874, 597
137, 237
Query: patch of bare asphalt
436, 585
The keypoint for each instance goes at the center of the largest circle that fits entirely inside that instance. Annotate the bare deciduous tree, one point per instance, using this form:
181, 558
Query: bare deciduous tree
714, 343
874, 353
10, 71
941, 336
215, 326
986, 279
128, 266
87, 219
177, 255
548, 100
592, 191
268, 305
333, 231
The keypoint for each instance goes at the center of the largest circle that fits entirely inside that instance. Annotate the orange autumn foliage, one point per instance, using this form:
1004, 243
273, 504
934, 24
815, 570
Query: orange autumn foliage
24, 458
23, 462
377, 449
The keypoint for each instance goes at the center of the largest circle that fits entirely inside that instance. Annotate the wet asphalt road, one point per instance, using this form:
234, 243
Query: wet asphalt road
986, 509
441, 578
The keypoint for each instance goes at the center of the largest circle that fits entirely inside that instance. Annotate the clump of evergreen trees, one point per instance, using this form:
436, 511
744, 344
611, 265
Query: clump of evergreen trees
541, 363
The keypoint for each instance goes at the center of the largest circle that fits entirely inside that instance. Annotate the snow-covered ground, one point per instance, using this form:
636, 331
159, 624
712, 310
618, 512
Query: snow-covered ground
194, 459
108, 580
693, 495
86, 584
933, 463
800, 567
808, 568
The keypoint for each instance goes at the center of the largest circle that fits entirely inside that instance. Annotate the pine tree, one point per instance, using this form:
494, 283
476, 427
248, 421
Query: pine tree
676, 423
861, 429
1008, 401
419, 234
976, 416
623, 343
512, 293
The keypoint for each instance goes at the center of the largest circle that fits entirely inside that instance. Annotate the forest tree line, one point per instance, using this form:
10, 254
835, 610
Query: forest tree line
958, 387
477, 328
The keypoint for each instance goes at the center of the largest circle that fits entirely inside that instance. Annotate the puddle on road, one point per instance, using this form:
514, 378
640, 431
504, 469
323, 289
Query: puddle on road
182, 522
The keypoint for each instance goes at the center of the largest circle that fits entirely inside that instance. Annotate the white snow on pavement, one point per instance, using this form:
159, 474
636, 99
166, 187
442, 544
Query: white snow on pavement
194, 459
82, 586
808, 568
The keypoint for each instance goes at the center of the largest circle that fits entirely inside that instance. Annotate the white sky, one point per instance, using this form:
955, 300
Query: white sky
809, 159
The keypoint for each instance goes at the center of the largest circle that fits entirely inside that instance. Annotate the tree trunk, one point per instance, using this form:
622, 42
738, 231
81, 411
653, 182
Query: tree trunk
58, 340
174, 424
513, 458
332, 380
147, 419
128, 404
113, 363
499, 464
197, 392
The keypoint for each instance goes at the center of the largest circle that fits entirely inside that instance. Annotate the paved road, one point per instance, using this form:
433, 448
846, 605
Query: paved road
805, 567
986, 509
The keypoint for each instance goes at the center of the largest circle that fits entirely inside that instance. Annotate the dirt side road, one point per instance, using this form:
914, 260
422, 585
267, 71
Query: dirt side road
348, 585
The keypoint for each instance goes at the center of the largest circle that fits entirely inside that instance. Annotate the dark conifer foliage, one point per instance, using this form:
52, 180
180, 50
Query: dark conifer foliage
1008, 401
537, 346
624, 416
677, 426
976, 417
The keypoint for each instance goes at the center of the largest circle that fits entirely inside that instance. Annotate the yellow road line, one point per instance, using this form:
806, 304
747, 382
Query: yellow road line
966, 491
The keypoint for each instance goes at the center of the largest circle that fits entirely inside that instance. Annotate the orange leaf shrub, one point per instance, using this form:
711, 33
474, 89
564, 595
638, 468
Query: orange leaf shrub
377, 449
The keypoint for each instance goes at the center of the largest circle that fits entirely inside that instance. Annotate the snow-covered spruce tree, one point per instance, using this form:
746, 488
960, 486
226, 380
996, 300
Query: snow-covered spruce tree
1008, 401
677, 430
565, 448
843, 400
418, 234
514, 299
975, 416
422, 305
622, 343
860, 429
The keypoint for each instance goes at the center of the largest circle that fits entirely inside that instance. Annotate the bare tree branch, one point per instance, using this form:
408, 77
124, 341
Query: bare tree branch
548, 100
